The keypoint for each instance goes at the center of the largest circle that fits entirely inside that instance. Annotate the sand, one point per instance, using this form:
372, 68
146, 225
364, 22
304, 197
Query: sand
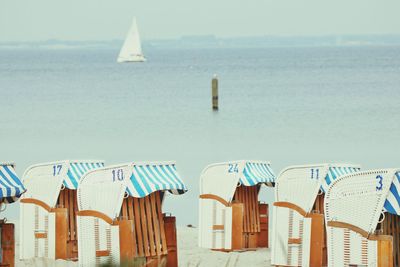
189, 254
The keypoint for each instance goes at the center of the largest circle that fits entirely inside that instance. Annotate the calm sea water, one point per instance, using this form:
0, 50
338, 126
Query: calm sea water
285, 105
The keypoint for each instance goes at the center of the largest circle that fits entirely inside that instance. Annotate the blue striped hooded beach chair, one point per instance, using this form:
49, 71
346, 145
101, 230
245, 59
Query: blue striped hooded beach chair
120, 217
11, 189
48, 223
363, 219
298, 237
230, 215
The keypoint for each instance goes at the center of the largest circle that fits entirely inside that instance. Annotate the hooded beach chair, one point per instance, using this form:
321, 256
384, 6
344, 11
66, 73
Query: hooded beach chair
230, 215
120, 217
298, 237
362, 215
11, 189
48, 224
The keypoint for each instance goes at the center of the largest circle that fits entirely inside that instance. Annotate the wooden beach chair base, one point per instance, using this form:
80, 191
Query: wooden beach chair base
68, 247
7, 244
391, 226
251, 217
250, 240
147, 233
61, 233
385, 252
262, 238
170, 236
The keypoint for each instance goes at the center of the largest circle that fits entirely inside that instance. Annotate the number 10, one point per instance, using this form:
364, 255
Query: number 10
118, 174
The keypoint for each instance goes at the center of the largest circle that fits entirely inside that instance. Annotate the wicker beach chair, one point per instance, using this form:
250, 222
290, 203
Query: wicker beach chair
120, 217
11, 189
230, 215
47, 211
298, 237
362, 216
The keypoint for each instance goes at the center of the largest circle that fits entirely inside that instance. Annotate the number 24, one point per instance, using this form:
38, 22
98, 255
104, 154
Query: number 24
233, 168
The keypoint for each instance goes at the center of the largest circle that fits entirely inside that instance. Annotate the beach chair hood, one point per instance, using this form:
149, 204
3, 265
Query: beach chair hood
147, 178
360, 199
11, 187
300, 185
103, 190
221, 179
44, 181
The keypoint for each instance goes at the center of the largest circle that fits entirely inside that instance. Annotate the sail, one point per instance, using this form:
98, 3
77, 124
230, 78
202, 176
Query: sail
131, 51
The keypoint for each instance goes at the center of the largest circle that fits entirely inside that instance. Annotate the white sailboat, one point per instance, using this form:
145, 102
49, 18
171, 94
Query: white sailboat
131, 51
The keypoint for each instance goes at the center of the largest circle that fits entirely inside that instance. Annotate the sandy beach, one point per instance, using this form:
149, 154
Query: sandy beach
189, 255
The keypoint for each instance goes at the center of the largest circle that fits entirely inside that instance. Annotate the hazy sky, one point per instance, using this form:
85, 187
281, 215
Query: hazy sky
28, 20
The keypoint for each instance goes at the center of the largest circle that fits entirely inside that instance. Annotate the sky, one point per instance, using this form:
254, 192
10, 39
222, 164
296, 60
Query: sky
38, 20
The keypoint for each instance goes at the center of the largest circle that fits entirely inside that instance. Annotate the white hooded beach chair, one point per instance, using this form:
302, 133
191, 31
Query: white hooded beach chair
11, 189
298, 237
362, 215
230, 215
48, 224
120, 217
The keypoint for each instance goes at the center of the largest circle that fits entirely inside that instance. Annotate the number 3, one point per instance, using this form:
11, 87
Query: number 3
379, 179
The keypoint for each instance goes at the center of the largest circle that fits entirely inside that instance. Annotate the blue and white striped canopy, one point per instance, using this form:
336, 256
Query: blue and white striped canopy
255, 173
76, 170
392, 203
334, 173
148, 178
11, 187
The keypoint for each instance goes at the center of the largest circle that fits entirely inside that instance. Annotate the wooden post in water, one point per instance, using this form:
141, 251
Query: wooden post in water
214, 86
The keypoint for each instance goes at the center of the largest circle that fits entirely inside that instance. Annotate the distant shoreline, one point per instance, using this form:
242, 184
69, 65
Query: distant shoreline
211, 41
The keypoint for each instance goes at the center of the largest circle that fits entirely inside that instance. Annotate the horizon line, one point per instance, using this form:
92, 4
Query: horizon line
209, 36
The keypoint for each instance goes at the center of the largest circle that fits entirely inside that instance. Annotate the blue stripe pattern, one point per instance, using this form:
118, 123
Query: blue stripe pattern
392, 203
146, 179
11, 187
255, 173
76, 170
334, 173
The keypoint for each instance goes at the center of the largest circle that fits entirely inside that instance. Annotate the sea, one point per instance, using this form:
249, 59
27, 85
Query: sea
285, 105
